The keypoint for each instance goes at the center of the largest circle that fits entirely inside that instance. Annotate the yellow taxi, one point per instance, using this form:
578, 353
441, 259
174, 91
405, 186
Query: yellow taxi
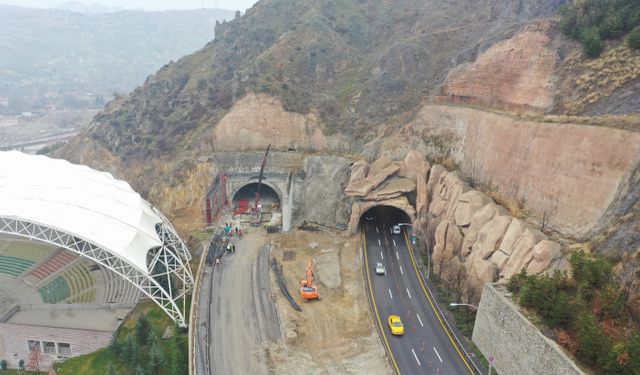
395, 324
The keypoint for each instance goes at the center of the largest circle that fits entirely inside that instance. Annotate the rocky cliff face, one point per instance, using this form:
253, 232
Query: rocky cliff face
358, 79
553, 168
475, 241
514, 73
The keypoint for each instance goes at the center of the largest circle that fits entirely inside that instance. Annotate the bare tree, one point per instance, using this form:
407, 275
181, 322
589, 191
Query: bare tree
474, 167
549, 209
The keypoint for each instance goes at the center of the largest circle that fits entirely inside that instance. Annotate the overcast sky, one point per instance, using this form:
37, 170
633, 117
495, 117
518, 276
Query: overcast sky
145, 4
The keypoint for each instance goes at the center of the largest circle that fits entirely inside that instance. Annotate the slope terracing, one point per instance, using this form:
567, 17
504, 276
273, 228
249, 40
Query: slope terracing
534, 162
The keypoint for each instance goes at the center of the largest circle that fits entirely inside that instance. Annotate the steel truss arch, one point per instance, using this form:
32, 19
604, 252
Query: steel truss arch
169, 261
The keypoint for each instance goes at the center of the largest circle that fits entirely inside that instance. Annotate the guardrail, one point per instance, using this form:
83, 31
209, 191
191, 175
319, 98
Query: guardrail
427, 284
194, 314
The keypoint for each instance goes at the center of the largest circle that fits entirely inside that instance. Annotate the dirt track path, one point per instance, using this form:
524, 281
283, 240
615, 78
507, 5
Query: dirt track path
244, 323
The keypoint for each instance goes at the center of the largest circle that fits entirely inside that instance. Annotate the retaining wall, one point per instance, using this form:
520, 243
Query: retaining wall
517, 346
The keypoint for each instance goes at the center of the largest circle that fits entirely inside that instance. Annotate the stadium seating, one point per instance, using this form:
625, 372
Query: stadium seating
18, 256
119, 290
53, 265
14, 266
81, 282
30, 250
55, 291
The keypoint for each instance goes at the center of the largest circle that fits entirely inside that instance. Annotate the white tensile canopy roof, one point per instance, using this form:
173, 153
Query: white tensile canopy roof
81, 201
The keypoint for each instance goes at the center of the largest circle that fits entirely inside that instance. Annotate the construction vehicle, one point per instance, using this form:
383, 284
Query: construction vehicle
256, 209
308, 291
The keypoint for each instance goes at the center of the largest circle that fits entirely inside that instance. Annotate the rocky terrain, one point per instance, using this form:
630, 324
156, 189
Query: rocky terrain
491, 90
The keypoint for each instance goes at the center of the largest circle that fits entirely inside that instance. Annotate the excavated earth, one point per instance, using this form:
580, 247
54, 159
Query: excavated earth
255, 330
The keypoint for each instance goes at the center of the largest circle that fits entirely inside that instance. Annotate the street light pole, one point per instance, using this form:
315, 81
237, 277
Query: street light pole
464, 304
426, 241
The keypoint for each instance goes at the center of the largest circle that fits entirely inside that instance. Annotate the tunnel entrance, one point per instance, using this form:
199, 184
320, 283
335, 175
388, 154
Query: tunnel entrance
385, 216
244, 200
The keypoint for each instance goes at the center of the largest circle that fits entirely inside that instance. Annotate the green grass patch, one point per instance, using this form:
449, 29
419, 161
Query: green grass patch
91, 364
97, 363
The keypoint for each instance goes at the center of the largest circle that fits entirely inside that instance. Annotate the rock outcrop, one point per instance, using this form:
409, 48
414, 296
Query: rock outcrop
259, 120
387, 182
324, 177
552, 167
477, 241
517, 72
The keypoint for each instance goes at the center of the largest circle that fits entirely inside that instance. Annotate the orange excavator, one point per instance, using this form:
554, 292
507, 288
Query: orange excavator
308, 291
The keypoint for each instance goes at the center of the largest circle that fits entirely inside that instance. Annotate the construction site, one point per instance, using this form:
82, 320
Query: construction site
283, 301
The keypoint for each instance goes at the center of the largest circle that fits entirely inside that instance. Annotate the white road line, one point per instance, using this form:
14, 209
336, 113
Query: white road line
379, 243
394, 243
416, 357
377, 231
402, 273
397, 256
381, 256
434, 349
391, 295
408, 293
420, 320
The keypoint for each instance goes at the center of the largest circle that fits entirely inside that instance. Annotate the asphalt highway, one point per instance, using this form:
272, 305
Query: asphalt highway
426, 347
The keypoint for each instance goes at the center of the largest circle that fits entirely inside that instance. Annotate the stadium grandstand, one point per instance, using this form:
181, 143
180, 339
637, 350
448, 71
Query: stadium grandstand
78, 249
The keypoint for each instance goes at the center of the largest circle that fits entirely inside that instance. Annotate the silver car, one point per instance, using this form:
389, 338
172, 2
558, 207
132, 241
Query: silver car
380, 269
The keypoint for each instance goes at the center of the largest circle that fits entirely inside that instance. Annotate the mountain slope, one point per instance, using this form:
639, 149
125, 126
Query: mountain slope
356, 64
50, 53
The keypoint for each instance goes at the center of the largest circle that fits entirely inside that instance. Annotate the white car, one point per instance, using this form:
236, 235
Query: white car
380, 269
396, 229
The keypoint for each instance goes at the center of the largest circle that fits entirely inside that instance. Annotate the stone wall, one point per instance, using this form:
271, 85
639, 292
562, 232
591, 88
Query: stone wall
517, 346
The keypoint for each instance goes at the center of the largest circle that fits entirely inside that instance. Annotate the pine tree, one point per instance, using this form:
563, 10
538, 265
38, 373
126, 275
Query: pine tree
179, 365
111, 369
139, 370
143, 328
131, 351
156, 359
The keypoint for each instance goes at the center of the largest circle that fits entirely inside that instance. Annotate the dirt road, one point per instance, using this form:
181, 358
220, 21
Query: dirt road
243, 322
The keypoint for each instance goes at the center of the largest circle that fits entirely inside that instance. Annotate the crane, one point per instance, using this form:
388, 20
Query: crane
308, 291
256, 209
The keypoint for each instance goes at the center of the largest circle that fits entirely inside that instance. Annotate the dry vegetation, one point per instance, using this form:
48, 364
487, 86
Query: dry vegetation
598, 78
514, 206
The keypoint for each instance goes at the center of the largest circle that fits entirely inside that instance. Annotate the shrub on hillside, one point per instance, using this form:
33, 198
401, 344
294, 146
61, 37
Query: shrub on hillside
594, 345
591, 42
591, 21
633, 39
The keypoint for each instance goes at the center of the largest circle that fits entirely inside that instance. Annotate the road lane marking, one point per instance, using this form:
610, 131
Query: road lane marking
381, 256
377, 231
397, 256
408, 293
416, 357
390, 295
394, 243
379, 243
375, 307
424, 290
402, 273
420, 320
434, 349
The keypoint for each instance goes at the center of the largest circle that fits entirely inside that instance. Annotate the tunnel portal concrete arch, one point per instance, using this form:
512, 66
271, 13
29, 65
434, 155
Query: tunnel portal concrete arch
270, 196
401, 211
